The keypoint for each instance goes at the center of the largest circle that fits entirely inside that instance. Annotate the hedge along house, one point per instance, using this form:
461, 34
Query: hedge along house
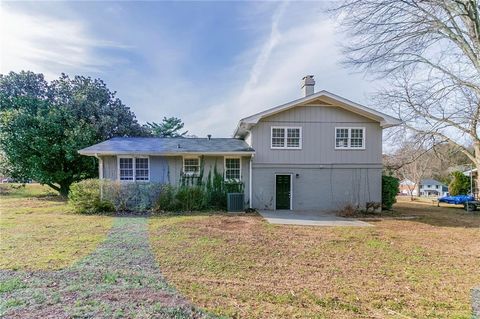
320, 152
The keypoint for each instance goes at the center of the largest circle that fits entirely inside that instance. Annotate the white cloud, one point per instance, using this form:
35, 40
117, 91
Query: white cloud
293, 48
49, 45
291, 40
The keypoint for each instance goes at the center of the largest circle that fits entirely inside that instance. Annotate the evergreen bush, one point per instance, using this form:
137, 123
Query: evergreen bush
460, 184
84, 196
390, 190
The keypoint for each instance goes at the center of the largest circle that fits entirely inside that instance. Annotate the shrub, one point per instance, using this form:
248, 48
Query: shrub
347, 211
460, 184
85, 198
131, 196
191, 198
166, 200
389, 191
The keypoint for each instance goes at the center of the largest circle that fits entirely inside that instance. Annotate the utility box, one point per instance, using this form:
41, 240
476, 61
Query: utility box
235, 202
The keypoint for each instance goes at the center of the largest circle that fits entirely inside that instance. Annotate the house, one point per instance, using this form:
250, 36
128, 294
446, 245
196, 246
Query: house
407, 187
319, 152
431, 187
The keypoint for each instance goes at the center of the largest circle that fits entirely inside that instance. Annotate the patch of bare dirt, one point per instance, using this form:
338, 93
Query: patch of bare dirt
229, 223
142, 296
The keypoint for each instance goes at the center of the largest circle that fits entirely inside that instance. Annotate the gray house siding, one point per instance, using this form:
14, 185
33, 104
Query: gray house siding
318, 131
319, 188
168, 169
109, 167
328, 179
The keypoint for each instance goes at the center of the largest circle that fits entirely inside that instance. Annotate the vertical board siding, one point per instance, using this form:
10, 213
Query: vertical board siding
109, 167
325, 181
318, 137
159, 169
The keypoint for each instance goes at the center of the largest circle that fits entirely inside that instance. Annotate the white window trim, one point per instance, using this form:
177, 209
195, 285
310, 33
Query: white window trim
134, 168
285, 138
348, 147
199, 165
225, 167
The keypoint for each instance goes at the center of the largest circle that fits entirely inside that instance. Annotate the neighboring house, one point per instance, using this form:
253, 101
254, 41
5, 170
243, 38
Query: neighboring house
431, 187
320, 152
407, 187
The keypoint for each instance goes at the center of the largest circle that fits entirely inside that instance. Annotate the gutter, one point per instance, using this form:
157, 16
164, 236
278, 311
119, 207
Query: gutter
100, 174
240, 153
250, 183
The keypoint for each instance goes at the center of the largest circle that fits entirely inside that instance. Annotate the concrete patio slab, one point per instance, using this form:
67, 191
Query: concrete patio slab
309, 218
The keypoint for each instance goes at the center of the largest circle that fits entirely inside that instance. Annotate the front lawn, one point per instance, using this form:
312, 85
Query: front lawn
39, 231
241, 266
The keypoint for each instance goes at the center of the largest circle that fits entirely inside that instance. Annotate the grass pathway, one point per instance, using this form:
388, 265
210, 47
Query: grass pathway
120, 279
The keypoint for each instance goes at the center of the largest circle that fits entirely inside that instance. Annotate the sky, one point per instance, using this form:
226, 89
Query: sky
208, 63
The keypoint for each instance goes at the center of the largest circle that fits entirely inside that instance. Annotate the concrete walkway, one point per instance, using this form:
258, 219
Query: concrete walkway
308, 218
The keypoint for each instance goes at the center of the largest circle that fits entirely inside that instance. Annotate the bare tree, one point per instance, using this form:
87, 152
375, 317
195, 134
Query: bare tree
411, 162
429, 52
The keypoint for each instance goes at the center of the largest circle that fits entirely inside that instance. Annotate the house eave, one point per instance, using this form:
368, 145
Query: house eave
245, 124
140, 153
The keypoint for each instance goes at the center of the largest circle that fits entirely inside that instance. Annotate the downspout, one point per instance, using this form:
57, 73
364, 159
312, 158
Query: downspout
100, 166
100, 174
250, 182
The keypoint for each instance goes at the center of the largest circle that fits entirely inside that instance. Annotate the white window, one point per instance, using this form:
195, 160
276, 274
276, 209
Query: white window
141, 169
350, 138
191, 166
278, 137
232, 168
133, 169
286, 137
126, 168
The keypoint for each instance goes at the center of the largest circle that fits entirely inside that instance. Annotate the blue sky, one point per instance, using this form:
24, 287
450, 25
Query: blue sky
209, 63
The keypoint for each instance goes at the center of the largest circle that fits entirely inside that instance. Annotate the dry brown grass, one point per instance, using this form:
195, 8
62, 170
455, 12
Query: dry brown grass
39, 231
240, 266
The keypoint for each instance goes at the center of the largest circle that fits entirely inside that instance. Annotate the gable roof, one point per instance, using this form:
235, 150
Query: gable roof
430, 181
245, 124
168, 146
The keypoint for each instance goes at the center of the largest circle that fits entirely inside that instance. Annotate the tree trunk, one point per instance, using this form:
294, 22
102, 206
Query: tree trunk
64, 189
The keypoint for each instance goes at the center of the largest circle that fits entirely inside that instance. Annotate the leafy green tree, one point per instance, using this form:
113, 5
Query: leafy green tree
169, 127
42, 143
460, 184
23, 84
43, 125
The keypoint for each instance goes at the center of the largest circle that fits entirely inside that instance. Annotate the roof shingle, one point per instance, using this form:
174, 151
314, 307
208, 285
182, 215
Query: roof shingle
156, 145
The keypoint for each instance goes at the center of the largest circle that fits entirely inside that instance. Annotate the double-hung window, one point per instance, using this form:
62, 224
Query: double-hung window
126, 168
232, 169
141, 169
133, 169
191, 166
350, 138
286, 137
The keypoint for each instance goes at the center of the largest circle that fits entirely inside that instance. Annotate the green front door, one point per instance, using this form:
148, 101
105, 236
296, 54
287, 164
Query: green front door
283, 191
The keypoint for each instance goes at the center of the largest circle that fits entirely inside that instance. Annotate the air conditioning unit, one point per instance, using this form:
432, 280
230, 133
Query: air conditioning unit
235, 202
